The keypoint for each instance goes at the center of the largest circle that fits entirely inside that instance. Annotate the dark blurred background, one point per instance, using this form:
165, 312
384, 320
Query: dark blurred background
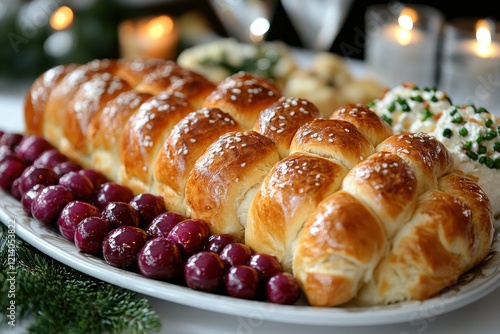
23, 54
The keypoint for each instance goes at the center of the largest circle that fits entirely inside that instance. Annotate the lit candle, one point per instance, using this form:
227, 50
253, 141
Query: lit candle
471, 65
155, 37
404, 50
61, 41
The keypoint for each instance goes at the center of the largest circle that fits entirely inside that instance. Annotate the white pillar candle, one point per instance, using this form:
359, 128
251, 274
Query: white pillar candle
155, 37
471, 64
398, 48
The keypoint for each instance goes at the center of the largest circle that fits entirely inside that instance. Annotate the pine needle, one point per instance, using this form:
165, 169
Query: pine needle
61, 299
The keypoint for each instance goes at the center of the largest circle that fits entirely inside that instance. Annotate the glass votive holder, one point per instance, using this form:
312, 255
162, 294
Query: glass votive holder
402, 43
149, 37
470, 63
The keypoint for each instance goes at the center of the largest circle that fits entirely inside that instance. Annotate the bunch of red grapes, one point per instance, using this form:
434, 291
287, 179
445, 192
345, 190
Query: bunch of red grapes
134, 232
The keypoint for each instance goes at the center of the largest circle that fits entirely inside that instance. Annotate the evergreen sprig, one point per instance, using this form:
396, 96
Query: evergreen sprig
63, 300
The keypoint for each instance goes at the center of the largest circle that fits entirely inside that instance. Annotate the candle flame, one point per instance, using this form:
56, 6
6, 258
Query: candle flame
160, 26
405, 20
407, 17
61, 18
483, 37
258, 29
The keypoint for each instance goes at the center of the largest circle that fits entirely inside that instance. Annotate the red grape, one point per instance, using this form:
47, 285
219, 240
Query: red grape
216, 242
47, 206
72, 214
191, 235
96, 177
242, 281
29, 196
161, 259
235, 253
283, 288
11, 168
66, 167
50, 158
80, 185
204, 271
11, 139
90, 233
35, 174
122, 244
267, 265
112, 192
31, 146
163, 224
148, 206
120, 214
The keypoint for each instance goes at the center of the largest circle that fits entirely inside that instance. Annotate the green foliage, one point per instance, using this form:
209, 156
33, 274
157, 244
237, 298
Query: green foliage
63, 300
262, 63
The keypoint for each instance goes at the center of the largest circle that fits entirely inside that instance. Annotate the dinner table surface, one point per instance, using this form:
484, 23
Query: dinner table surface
480, 316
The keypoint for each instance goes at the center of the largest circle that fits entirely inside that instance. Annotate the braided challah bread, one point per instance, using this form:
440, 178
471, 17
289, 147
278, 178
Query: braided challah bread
351, 209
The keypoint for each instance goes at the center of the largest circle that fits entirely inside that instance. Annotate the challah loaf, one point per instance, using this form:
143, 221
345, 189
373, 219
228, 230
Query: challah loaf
351, 209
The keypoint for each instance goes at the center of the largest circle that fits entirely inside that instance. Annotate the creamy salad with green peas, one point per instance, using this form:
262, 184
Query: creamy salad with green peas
471, 133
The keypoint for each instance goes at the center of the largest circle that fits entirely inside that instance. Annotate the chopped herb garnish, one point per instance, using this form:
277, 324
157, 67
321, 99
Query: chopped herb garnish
404, 104
426, 114
488, 122
417, 98
467, 145
447, 133
463, 132
453, 112
457, 119
496, 146
392, 107
434, 99
482, 149
481, 110
387, 119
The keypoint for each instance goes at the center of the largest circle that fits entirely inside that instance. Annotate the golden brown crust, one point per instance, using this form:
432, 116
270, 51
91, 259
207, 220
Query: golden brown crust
163, 76
337, 250
468, 192
333, 139
186, 142
225, 178
243, 96
387, 185
427, 156
429, 253
144, 134
374, 128
133, 70
87, 101
106, 129
288, 195
63, 92
35, 101
195, 88
282, 119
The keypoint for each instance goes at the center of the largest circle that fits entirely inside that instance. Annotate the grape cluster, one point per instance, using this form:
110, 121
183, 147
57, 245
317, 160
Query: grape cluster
134, 232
